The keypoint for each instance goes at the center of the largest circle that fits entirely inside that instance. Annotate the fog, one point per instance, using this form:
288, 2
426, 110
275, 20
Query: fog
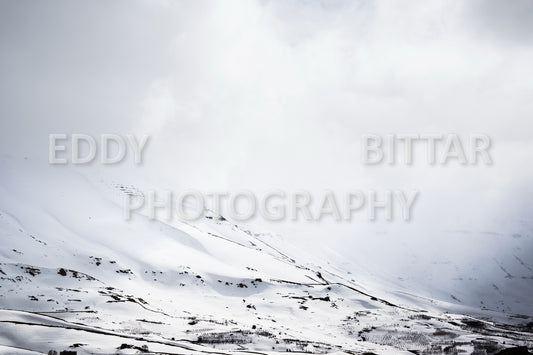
271, 95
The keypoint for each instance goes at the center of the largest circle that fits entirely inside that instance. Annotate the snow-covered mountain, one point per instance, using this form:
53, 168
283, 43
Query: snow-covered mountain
265, 95
74, 275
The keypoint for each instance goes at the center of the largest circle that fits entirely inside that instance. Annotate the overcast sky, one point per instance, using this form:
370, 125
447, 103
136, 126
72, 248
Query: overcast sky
271, 95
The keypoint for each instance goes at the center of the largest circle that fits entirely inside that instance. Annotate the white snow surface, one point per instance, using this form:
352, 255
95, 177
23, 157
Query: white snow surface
74, 275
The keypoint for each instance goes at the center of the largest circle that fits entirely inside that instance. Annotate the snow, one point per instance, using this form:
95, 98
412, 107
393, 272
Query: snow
75, 275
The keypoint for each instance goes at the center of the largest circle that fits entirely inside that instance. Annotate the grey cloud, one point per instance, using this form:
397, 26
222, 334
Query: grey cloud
508, 22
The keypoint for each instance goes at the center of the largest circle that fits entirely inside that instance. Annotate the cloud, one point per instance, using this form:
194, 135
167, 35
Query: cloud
508, 23
276, 94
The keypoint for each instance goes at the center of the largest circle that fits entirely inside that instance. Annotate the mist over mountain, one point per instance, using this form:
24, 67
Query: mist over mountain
263, 97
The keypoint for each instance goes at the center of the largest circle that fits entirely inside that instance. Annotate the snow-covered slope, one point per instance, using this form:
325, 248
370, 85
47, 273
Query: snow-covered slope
74, 275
